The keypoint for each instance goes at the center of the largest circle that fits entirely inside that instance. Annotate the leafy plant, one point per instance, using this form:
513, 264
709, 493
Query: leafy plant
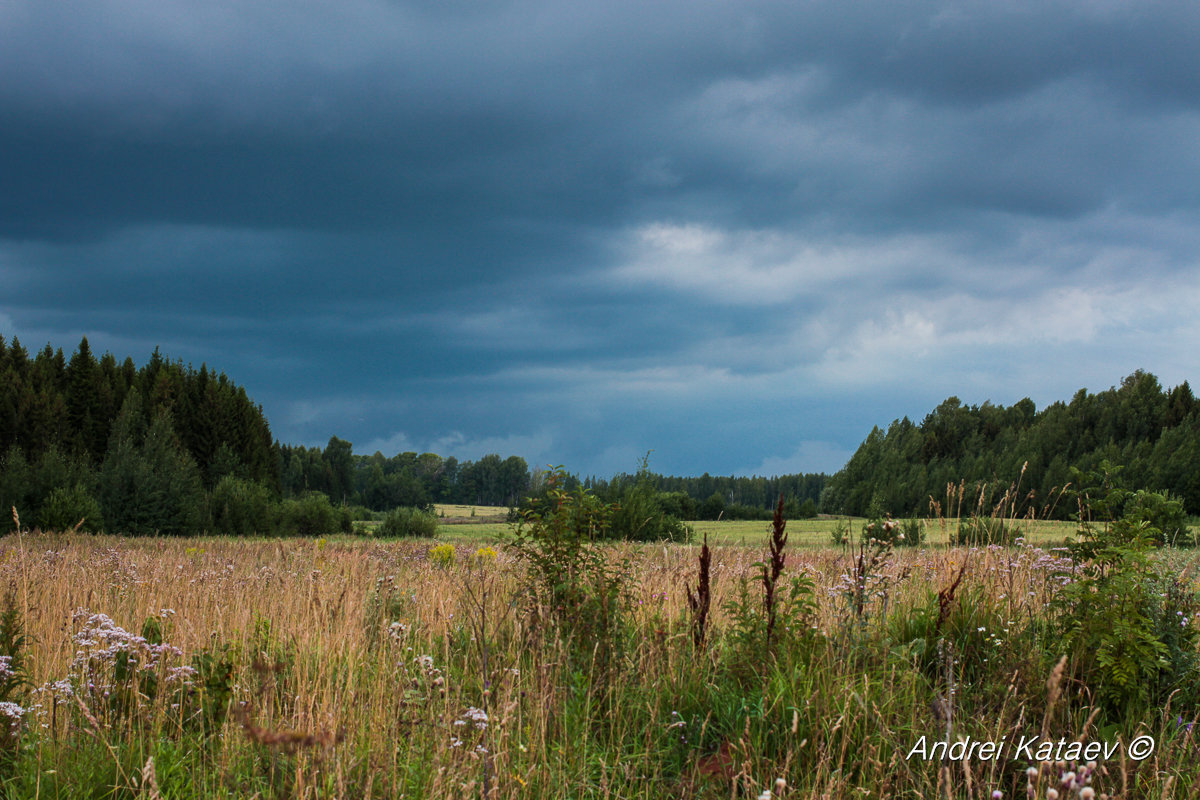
408, 522
1123, 619
241, 507
894, 532
309, 515
67, 507
762, 629
839, 536
570, 580
639, 516
981, 531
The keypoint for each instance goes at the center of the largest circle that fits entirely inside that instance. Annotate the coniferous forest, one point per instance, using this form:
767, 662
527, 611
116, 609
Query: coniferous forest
1154, 434
167, 448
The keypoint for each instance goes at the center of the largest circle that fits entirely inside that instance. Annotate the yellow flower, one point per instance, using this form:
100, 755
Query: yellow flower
484, 556
442, 556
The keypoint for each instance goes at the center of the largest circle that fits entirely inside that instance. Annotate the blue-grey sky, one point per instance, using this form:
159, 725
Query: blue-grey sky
738, 234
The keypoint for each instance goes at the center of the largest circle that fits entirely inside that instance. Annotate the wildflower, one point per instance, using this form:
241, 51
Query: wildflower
442, 556
476, 717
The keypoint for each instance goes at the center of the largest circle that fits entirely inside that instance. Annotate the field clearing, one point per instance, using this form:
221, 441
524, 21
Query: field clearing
818, 532
801, 533
469, 513
362, 669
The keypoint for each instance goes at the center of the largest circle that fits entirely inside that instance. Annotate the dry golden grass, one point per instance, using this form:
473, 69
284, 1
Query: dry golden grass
356, 702
315, 595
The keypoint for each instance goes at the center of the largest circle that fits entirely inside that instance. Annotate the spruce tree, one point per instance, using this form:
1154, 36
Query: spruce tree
149, 483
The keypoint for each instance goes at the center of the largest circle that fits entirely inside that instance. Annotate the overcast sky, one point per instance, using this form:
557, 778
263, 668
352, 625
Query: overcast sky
738, 234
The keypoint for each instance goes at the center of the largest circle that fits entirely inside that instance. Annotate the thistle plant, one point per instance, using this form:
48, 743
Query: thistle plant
700, 602
774, 567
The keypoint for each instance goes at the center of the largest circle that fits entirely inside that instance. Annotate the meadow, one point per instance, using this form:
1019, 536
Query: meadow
361, 668
485, 527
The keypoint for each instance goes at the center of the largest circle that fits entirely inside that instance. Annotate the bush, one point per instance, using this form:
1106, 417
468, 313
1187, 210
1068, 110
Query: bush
894, 532
309, 515
1161, 513
240, 507
1124, 617
639, 515
67, 507
840, 535
713, 507
679, 505
408, 522
582, 593
742, 511
982, 531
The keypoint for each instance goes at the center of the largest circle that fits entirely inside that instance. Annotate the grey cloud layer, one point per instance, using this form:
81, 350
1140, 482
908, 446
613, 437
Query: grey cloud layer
609, 215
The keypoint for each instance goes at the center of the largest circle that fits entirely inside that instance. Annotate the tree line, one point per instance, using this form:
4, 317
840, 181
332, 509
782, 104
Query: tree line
710, 497
1152, 431
171, 449
105, 445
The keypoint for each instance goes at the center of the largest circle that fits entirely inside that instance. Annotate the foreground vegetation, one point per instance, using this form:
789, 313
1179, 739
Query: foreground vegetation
553, 667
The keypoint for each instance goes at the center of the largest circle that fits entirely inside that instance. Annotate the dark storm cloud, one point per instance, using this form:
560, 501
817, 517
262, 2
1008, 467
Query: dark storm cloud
589, 230
369, 114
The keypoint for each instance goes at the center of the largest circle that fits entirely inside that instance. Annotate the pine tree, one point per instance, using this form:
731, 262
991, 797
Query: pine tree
149, 483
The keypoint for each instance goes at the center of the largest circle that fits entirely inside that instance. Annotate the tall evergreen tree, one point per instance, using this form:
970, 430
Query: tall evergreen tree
148, 482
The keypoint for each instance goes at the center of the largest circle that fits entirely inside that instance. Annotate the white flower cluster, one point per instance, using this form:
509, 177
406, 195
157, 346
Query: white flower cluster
14, 713
101, 638
1066, 780
473, 716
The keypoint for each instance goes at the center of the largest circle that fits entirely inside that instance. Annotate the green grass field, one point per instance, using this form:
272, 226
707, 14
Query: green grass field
801, 533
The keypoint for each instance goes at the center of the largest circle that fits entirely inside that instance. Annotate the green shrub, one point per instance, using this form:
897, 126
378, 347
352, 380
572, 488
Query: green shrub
67, 507
583, 594
679, 505
638, 515
983, 531
239, 507
894, 532
1161, 513
408, 522
1122, 617
309, 515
